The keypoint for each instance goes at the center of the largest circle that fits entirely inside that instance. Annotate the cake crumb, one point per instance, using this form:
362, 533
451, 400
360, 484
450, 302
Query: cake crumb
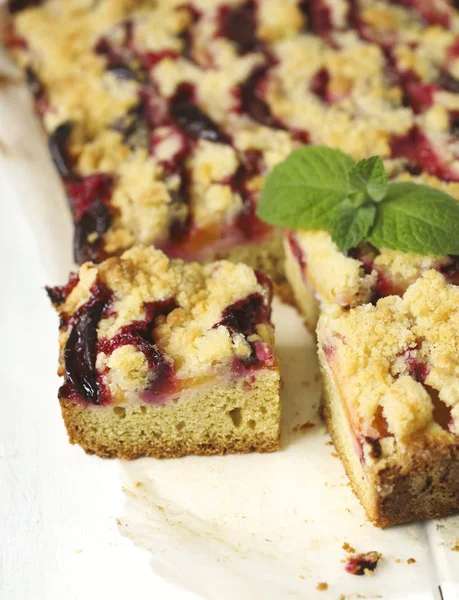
456, 547
329, 443
137, 484
304, 426
348, 548
322, 586
411, 561
334, 454
363, 564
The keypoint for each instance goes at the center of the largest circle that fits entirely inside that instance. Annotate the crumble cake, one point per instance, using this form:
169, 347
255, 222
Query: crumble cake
165, 358
165, 116
391, 376
320, 274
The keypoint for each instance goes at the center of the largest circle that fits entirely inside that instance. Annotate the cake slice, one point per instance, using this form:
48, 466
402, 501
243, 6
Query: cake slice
320, 274
391, 399
165, 358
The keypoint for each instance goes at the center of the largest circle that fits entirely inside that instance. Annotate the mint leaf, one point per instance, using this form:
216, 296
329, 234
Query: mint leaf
369, 176
350, 224
417, 218
303, 190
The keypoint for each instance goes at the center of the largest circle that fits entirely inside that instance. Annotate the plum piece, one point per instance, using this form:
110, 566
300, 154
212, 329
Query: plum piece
238, 24
139, 334
57, 144
252, 101
360, 563
93, 224
242, 316
192, 120
80, 349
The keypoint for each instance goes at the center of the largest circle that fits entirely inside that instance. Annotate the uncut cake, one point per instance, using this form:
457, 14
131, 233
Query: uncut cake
164, 117
391, 379
165, 358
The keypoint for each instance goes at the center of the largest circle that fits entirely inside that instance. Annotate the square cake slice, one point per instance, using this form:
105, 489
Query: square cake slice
165, 358
320, 274
391, 400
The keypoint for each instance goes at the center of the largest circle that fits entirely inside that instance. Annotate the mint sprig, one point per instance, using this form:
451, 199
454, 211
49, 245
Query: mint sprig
317, 187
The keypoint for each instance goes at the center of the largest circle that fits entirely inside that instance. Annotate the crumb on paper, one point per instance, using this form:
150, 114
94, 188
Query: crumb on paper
329, 443
348, 548
137, 484
363, 564
334, 454
305, 383
411, 561
301, 576
304, 426
322, 586
456, 547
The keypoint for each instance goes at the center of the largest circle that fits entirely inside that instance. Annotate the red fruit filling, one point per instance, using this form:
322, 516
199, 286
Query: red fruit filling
416, 147
238, 24
319, 84
81, 380
192, 119
140, 335
242, 317
252, 101
417, 369
59, 293
318, 17
90, 197
358, 564
418, 95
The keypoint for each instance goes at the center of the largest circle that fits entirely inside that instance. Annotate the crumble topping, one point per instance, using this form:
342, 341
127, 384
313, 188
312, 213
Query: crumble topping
397, 364
158, 315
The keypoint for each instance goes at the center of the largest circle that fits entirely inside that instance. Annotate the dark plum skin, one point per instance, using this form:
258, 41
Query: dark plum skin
80, 349
96, 219
238, 25
244, 315
58, 147
15, 6
192, 120
252, 102
135, 127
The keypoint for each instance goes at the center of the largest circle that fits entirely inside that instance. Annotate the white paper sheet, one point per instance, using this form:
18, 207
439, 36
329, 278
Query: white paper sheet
246, 527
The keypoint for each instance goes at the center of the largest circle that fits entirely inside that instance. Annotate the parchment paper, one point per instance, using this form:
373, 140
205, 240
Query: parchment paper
246, 527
